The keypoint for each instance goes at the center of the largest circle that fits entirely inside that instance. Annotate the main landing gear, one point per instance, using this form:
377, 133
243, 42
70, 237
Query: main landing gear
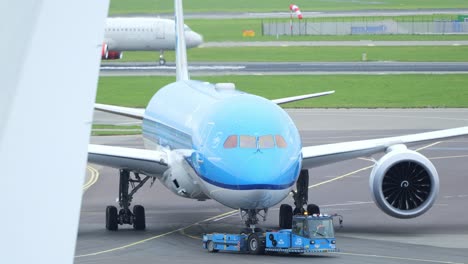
162, 61
125, 216
300, 196
250, 219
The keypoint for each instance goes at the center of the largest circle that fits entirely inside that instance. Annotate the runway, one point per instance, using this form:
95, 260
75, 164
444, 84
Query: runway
289, 68
174, 224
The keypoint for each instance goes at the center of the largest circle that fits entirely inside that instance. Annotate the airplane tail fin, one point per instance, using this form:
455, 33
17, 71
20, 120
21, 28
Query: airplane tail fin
181, 49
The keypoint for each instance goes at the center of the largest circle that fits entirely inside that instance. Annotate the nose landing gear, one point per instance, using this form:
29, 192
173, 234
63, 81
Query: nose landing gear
300, 196
250, 218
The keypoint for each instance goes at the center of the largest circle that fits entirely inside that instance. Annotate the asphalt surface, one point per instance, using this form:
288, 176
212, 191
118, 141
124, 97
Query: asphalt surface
174, 224
271, 68
307, 14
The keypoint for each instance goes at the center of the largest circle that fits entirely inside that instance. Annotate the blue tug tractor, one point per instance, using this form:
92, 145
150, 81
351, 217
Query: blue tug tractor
309, 234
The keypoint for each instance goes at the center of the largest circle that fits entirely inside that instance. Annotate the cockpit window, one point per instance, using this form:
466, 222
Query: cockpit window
248, 141
260, 142
280, 142
265, 142
231, 142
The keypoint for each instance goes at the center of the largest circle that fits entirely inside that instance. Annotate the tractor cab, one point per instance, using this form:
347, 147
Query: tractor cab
313, 227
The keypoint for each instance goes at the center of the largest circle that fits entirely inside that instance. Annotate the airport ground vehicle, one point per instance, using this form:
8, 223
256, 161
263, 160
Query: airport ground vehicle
309, 233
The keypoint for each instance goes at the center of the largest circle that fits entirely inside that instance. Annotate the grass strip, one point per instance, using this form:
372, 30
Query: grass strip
352, 91
164, 6
110, 130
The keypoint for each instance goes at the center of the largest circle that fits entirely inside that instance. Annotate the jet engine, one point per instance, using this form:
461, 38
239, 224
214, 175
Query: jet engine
107, 54
114, 55
404, 183
104, 51
179, 180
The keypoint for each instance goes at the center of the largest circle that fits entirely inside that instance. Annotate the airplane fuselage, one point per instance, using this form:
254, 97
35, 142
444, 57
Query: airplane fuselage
145, 34
239, 149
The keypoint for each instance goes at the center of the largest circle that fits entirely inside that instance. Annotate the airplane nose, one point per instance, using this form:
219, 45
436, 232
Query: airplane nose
252, 172
194, 40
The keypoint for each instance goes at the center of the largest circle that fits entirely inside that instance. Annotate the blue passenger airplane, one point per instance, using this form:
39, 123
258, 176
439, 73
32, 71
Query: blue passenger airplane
212, 141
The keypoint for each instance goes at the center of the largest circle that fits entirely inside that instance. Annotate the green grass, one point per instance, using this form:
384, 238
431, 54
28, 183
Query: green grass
166, 6
352, 91
115, 133
326, 53
130, 127
109, 130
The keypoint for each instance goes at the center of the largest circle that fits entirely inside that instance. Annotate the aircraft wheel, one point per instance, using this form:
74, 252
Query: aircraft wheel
285, 216
313, 209
162, 61
139, 217
111, 218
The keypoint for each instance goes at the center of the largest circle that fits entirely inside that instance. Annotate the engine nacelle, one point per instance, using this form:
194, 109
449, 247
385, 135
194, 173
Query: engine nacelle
179, 180
113, 55
404, 183
104, 51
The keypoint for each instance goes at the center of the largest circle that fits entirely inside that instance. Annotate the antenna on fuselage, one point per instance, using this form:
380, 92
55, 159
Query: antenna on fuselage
181, 48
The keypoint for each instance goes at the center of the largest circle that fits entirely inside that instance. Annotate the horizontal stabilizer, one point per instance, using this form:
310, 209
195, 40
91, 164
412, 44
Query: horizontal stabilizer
300, 97
120, 110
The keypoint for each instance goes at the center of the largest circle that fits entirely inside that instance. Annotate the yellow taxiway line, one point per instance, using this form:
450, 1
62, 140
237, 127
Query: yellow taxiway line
92, 179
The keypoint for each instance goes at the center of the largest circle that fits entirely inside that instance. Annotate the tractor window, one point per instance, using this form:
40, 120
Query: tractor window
321, 228
298, 228
231, 142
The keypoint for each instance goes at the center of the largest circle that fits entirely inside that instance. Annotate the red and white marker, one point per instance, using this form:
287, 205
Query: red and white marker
295, 9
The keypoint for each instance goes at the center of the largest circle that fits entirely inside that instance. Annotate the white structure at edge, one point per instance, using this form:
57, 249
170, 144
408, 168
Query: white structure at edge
49, 71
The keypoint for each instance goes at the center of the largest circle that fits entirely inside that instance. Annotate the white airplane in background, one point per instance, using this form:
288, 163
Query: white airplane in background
212, 141
143, 34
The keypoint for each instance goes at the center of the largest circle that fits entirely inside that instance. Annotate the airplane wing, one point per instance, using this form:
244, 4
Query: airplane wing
149, 162
300, 97
314, 156
120, 110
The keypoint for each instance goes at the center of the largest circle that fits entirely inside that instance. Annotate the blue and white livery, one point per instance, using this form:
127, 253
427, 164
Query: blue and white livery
211, 141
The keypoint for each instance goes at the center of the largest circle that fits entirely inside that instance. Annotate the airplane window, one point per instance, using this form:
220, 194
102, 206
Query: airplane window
248, 141
265, 142
280, 142
231, 142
